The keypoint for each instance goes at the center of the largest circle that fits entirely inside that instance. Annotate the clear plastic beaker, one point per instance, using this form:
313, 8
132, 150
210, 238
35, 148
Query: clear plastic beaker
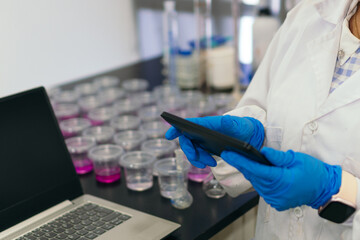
74, 126
204, 107
106, 162
212, 187
78, 148
64, 111
84, 89
102, 115
160, 147
130, 140
135, 85
67, 96
106, 81
102, 134
110, 95
125, 122
138, 167
127, 106
168, 176
150, 113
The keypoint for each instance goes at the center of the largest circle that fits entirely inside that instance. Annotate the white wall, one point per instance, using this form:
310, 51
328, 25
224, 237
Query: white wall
47, 42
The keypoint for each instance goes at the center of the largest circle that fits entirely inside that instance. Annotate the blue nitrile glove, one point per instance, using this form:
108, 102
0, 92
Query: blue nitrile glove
243, 128
295, 179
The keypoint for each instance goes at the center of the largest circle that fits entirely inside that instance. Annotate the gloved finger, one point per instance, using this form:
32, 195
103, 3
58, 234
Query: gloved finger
172, 133
190, 152
279, 158
256, 169
206, 158
237, 127
212, 122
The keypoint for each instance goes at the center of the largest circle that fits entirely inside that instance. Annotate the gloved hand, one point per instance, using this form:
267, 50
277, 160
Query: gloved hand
295, 179
243, 128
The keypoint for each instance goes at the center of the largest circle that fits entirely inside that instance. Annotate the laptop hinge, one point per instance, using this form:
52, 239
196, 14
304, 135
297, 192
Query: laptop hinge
30, 223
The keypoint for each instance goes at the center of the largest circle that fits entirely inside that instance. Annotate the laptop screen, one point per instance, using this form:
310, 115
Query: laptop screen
36, 171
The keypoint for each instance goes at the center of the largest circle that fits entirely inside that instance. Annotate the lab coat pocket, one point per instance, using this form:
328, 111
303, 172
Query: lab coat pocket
273, 137
351, 166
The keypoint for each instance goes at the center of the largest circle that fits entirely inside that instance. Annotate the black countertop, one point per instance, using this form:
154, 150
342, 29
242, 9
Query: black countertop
204, 218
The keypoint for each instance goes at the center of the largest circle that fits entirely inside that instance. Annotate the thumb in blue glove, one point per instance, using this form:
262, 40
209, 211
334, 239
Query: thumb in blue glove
295, 179
243, 128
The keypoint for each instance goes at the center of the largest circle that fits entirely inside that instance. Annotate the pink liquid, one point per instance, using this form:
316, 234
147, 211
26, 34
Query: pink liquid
107, 175
83, 166
68, 134
197, 174
68, 117
96, 122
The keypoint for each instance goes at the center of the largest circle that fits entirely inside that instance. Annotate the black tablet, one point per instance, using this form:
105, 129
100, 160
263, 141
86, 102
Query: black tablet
212, 141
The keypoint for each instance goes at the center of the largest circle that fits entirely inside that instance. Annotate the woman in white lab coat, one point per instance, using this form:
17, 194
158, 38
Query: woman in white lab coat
290, 95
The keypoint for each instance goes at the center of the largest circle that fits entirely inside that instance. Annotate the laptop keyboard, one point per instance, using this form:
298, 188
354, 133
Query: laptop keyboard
85, 222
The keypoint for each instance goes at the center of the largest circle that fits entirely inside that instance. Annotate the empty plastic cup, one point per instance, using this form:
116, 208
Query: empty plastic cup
78, 148
64, 111
68, 96
127, 106
102, 134
146, 98
73, 127
90, 102
168, 176
106, 81
125, 122
150, 113
129, 140
84, 89
110, 95
135, 85
138, 167
154, 129
161, 147
106, 162
102, 115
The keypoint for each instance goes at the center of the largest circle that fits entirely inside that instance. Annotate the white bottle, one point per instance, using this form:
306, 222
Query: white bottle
264, 29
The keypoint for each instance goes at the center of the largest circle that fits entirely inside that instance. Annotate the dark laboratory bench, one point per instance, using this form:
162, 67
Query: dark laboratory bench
204, 218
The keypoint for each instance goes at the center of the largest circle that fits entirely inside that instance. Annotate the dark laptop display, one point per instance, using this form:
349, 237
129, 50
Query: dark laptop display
36, 171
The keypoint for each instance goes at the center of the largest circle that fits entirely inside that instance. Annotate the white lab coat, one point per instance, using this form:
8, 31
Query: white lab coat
290, 95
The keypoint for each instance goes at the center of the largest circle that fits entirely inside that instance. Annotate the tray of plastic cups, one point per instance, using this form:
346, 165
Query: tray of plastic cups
106, 162
110, 95
85, 89
90, 102
74, 126
135, 85
106, 81
130, 140
150, 113
127, 106
138, 168
168, 176
66, 96
125, 122
154, 129
79, 148
64, 111
101, 134
102, 115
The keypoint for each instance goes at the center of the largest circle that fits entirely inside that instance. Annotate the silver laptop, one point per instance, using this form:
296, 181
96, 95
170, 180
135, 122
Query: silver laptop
40, 193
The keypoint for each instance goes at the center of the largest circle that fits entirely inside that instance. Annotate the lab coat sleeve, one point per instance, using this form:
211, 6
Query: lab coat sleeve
253, 104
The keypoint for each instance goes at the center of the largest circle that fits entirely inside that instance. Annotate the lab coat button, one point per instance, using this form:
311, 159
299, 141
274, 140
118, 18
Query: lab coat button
341, 54
298, 212
313, 126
